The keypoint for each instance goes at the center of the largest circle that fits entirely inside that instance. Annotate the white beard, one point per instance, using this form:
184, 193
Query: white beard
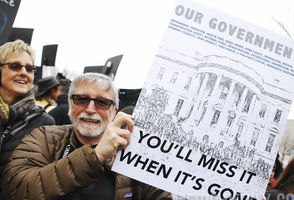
88, 130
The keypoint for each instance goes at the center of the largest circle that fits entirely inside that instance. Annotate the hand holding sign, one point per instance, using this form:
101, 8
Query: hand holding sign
115, 136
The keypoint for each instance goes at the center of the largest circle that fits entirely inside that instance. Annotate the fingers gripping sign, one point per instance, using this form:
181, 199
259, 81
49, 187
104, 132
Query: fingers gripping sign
116, 135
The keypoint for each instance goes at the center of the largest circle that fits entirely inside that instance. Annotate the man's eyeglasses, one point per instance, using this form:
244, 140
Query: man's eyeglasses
17, 67
83, 100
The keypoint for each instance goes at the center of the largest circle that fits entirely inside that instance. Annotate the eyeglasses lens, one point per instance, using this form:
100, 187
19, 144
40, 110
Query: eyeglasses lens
100, 103
81, 100
18, 67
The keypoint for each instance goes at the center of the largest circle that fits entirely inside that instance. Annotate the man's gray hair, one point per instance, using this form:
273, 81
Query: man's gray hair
103, 82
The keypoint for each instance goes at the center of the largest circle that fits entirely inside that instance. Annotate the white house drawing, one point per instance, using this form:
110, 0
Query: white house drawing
225, 109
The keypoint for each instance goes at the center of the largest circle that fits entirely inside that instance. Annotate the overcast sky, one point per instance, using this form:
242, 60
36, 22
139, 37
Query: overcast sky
89, 32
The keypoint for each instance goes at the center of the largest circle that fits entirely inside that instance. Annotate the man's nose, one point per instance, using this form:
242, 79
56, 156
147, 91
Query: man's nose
91, 107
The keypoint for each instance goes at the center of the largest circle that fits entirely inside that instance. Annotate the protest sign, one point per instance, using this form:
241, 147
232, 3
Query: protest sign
8, 10
211, 114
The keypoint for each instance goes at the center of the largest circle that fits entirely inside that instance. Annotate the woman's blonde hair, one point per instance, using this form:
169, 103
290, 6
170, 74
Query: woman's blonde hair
15, 47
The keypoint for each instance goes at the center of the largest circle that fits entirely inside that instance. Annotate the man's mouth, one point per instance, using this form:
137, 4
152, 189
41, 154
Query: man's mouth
89, 120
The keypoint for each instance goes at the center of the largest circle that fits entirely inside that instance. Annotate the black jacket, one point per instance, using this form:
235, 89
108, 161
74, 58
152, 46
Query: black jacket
60, 113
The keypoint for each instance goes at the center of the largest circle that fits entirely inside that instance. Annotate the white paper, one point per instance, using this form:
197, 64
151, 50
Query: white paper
213, 109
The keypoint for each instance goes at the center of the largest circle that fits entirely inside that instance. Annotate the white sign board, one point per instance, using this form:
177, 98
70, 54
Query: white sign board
210, 118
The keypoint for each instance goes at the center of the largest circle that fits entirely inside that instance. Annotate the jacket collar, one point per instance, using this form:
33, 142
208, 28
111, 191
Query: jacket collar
74, 142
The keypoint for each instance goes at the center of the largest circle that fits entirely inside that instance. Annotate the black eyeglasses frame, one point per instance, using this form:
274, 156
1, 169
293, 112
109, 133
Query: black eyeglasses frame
29, 68
88, 99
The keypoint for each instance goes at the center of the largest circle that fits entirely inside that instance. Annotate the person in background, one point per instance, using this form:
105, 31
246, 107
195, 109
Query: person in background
278, 167
60, 112
272, 181
284, 188
46, 92
276, 172
19, 114
73, 161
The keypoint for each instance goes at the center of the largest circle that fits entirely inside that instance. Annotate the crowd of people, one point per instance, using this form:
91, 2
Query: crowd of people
59, 138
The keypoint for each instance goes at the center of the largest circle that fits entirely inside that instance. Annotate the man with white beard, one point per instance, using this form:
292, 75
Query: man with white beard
73, 161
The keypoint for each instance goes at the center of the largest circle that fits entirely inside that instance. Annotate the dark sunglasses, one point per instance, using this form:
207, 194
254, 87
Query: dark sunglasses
83, 100
17, 67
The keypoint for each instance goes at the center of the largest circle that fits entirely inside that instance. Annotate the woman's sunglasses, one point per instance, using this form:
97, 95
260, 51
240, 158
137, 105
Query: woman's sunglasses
17, 67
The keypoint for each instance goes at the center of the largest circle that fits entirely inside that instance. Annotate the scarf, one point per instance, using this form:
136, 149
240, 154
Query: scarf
21, 111
4, 112
22, 105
